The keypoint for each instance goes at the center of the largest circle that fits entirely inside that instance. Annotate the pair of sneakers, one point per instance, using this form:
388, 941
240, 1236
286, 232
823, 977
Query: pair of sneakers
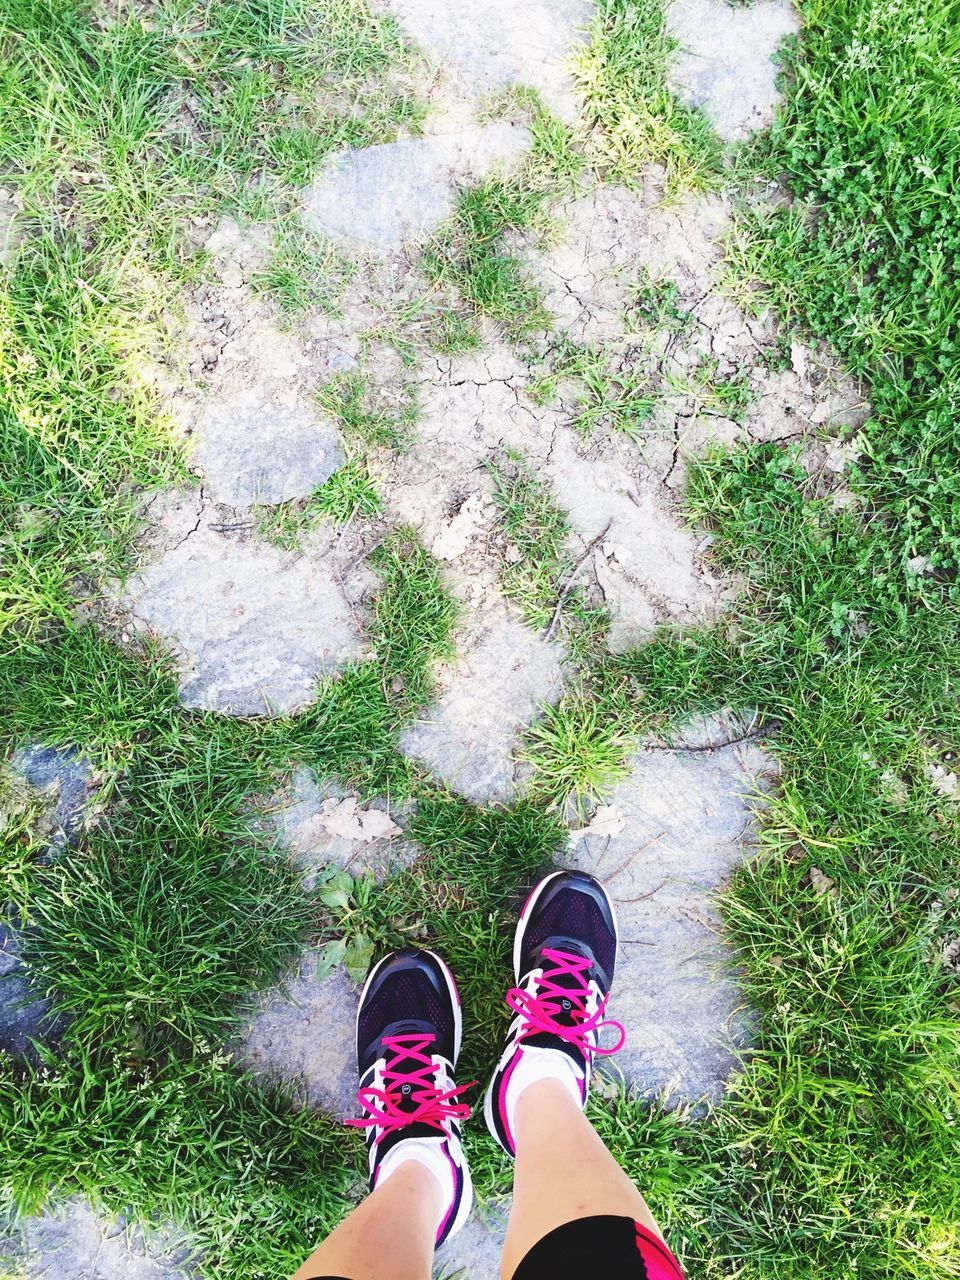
409, 1028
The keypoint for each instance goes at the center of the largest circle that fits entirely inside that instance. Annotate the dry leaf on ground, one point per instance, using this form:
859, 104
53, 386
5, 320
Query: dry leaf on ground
345, 819
607, 821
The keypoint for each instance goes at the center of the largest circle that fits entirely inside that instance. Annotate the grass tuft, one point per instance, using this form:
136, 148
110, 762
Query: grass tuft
634, 118
363, 417
535, 561
577, 751
471, 254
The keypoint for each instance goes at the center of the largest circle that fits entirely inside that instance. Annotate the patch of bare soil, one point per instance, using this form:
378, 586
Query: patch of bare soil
664, 845
252, 627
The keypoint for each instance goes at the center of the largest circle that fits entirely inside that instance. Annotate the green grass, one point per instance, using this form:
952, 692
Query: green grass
834, 1153
470, 254
154, 935
115, 140
250, 1176
534, 562
730, 396
349, 493
862, 256
364, 415
597, 393
579, 752
455, 334
132, 127
76, 431
537, 571
303, 273
633, 118
475, 252
656, 305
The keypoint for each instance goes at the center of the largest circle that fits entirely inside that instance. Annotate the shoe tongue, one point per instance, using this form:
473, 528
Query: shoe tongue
568, 1013
406, 1093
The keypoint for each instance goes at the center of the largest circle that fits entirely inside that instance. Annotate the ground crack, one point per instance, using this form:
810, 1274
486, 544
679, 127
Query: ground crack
760, 731
190, 532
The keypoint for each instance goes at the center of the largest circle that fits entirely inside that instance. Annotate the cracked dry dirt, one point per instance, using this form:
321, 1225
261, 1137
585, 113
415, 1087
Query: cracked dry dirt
633, 284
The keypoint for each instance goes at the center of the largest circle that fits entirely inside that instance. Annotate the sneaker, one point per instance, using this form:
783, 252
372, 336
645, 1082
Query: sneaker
409, 1028
564, 956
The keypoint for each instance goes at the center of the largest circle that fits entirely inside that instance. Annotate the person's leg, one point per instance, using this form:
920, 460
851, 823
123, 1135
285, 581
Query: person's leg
568, 1187
408, 1041
554, 1138
389, 1236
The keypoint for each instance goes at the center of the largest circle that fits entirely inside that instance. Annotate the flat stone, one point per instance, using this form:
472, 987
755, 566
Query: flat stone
490, 43
725, 63
252, 451
383, 196
253, 628
469, 737
688, 821
302, 820
65, 782
24, 1016
304, 1031
65, 779
72, 1241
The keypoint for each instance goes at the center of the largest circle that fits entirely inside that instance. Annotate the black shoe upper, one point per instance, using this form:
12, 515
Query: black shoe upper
408, 996
572, 914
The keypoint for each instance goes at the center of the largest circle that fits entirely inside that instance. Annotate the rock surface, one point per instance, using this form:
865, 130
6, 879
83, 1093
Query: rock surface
474, 1252
304, 1031
65, 779
251, 451
383, 196
24, 1016
253, 628
66, 783
489, 44
240, 387
687, 819
309, 820
71, 1241
725, 63
469, 736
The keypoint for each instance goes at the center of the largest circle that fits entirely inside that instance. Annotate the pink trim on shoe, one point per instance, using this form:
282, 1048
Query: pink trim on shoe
446, 1217
502, 1101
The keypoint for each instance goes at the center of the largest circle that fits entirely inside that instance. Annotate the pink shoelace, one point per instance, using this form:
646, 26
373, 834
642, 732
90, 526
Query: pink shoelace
434, 1106
540, 1011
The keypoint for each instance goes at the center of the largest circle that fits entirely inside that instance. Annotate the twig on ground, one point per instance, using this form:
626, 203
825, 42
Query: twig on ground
644, 896
568, 585
639, 849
